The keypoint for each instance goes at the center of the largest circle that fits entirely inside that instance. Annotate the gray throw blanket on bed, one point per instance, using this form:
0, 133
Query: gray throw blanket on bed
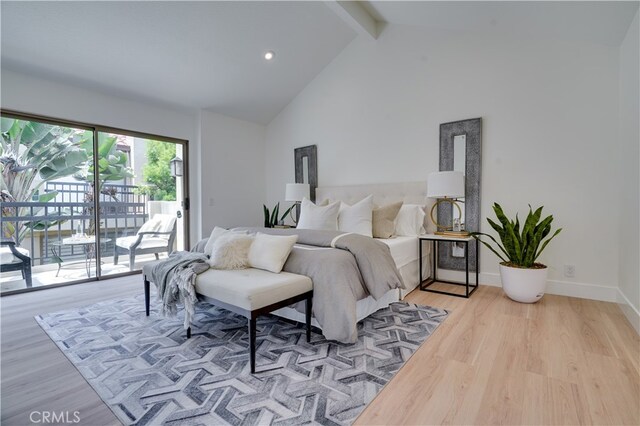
175, 280
344, 268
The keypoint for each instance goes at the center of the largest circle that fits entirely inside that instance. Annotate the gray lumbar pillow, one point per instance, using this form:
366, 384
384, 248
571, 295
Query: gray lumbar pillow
383, 220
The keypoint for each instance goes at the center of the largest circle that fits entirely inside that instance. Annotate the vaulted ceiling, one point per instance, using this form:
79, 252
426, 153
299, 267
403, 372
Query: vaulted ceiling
210, 55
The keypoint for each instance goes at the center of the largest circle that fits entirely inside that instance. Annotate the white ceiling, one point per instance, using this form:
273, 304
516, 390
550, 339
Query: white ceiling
185, 54
603, 22
210, 54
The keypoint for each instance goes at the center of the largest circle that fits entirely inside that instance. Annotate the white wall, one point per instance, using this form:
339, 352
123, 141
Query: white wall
23, 93
232, 172
629, 150
549, 113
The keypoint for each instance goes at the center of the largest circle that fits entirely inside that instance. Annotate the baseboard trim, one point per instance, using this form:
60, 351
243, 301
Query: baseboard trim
560, 288
629, 311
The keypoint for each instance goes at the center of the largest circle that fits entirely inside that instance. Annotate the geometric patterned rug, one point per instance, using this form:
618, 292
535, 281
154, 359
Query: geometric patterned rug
149, 373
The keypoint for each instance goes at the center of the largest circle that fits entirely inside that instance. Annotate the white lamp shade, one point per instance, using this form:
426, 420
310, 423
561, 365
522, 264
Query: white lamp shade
445, 185
297, 191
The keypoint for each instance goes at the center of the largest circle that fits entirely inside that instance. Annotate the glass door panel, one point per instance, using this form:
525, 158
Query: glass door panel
47, 204
140, 218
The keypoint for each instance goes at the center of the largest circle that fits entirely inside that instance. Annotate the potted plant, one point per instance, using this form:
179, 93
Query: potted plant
271, 219
523, 279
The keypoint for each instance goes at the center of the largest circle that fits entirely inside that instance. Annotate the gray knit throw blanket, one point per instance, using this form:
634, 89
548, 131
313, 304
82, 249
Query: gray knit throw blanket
175, 279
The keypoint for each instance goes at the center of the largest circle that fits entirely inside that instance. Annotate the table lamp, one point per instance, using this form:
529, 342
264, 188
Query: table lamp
296, 192
446, 187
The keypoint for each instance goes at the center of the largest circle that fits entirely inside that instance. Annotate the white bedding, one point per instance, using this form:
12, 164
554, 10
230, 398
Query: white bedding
405, 253
404, 250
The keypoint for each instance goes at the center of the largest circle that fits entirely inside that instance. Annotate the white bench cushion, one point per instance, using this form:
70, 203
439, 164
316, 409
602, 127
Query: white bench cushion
251, 288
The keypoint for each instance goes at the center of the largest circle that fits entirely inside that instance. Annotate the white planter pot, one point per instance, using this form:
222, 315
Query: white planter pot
522, 284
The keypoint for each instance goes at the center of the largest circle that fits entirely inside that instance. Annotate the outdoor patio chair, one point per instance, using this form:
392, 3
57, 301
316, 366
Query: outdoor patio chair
14, 258
155, 236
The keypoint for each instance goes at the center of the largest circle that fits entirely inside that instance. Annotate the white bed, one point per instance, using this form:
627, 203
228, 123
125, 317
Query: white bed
404, 250
405, 253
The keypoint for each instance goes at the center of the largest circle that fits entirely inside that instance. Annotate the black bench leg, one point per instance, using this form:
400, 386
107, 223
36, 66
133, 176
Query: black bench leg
147, 295
189, 333
252, 344
307, 314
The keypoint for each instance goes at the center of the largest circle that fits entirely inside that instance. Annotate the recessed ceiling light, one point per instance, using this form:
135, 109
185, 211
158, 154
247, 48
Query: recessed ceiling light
269, 55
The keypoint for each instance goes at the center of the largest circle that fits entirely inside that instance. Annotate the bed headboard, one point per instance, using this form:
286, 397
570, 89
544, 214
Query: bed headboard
383, 193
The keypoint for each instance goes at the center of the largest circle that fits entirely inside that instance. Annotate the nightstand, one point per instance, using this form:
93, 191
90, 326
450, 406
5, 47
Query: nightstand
435, 239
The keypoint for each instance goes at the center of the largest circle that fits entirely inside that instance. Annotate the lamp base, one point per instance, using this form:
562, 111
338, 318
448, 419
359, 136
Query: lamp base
454, 234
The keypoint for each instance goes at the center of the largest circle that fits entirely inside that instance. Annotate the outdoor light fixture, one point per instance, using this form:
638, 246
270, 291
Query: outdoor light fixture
176, 166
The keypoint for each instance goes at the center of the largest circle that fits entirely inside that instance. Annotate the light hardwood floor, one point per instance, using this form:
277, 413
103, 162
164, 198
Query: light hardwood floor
493, 361
560, 361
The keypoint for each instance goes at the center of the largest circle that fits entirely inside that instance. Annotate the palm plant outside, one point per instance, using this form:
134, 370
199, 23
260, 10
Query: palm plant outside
33, 153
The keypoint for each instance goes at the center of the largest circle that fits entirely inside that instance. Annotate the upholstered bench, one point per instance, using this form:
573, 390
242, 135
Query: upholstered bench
250, 292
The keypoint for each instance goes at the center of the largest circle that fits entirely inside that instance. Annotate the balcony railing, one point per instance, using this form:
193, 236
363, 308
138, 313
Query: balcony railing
44, 223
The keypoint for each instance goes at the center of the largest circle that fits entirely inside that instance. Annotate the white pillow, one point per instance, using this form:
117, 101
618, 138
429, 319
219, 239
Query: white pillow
318, 217
410, 220
152, 225
217, 233
231, 251
270, 252
357, 218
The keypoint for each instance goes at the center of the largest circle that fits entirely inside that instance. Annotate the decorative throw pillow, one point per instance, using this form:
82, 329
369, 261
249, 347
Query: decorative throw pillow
217, 233
383, 220
152, 225
318, 217
231, 251
410, 220
270, 252
356, 218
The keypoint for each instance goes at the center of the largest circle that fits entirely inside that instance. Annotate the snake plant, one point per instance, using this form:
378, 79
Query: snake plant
520, 247
271, 218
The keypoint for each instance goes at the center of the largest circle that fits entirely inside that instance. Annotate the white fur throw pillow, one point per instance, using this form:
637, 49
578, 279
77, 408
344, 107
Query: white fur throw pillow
217, 233
231, 251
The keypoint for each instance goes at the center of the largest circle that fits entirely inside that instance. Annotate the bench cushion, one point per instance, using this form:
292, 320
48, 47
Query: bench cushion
251, 288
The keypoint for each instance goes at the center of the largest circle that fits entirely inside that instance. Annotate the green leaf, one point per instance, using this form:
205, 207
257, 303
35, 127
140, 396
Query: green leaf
476, 236
284, 215
45, 198
265, 210
274, 215
5, 124
545, 244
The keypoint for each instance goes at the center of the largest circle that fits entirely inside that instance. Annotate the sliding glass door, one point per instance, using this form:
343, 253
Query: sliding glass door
46, 204
140, 181
80, 202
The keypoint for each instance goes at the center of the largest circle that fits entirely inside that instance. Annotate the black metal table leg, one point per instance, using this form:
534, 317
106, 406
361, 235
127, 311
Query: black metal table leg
466, 269
425, 284
420, 262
